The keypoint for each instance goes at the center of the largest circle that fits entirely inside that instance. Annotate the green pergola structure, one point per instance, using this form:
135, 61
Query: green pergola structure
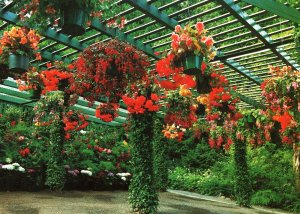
250, 35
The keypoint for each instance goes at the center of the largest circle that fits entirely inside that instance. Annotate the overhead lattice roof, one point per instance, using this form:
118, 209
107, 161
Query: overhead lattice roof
248, 39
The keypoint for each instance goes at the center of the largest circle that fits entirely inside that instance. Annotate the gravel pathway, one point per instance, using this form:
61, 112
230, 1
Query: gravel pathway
106, 202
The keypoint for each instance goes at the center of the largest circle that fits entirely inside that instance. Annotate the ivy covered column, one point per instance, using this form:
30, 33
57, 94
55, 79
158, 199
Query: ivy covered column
143, 196
160, 156
50, 111
243, 189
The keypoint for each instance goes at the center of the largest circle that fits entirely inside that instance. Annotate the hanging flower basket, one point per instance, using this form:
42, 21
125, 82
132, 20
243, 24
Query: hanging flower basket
73, 20
192, 63
18, 63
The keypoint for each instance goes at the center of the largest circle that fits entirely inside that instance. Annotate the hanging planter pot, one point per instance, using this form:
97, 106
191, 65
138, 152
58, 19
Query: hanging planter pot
192, 63
192, 66
18, 63
73, 20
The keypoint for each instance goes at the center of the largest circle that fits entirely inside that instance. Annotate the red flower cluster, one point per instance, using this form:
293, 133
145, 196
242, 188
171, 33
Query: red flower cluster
51, 79
182, 120
24, 152
107, 69
140, 104
74, 121
221, 104
174, 75
100, 149
107, 111
220, 141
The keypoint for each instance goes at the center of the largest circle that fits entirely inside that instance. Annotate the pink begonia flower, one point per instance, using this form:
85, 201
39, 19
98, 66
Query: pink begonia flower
177, 28
184, 37
295, 85
21, 138
175, 37
199, 26
189, 42
209, 42
108, 151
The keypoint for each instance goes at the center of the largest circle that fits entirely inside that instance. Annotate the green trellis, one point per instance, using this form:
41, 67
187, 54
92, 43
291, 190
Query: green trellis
249, 34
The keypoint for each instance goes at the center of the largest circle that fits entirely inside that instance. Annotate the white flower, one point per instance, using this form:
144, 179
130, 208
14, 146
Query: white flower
82, 132
87, 172
123, 174
123, 178
21, 169
8, 167
16, 165
8, 160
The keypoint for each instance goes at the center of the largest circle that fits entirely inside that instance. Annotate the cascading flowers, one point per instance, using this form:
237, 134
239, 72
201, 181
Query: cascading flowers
282, 92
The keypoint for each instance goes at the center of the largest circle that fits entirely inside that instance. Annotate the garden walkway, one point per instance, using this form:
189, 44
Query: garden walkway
107, 202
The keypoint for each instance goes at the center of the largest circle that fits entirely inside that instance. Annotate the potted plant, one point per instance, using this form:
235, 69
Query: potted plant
180, 113
108, 69
192, 48
73, 14
38, 82
191, 51
18, 46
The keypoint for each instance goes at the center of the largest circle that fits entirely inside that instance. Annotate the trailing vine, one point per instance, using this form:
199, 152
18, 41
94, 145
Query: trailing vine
50, 108
143, 196
243, 188
160, 156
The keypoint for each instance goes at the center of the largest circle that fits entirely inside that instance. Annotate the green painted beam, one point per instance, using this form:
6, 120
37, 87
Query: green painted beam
249, 100
256, 30
153, 12
116, 33
277, 8
14, 92
12, 99
242, 70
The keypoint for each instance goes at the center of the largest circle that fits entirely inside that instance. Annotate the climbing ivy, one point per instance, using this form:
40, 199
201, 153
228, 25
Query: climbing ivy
243, 189
143, 196
160, 156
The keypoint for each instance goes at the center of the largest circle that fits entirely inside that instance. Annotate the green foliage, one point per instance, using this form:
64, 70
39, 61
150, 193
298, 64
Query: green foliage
143, 196
273, 177
216, 181
193, 153
160, 156
55, 166
243, 189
